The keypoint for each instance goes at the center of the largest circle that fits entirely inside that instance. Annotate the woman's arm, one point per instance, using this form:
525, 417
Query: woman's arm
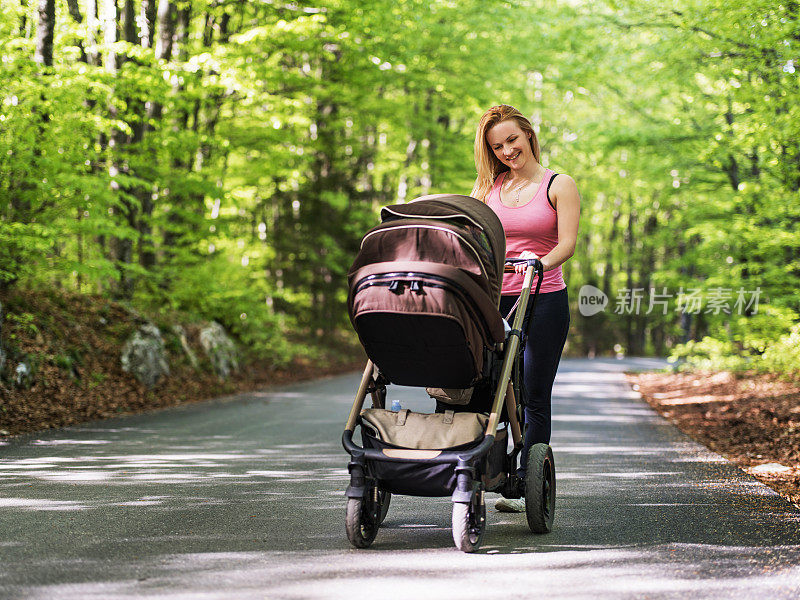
567, 202
565, 197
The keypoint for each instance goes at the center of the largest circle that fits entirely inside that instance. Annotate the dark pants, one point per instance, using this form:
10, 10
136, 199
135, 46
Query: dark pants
546, 333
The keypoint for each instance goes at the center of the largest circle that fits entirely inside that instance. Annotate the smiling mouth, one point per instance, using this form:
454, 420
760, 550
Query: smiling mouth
515, 157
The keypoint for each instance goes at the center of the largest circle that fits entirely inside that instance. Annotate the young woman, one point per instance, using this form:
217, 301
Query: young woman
539, 210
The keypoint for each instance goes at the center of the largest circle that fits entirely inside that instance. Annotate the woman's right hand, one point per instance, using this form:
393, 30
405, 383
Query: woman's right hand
526, 254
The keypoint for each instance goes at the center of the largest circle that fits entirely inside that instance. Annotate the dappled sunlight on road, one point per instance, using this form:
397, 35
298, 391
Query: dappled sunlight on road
671, 570
187, 467
70, 442
245, 498
40, 504
605, 418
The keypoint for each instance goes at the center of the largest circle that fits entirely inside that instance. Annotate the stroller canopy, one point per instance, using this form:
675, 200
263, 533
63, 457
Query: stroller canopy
477, 223
425, 288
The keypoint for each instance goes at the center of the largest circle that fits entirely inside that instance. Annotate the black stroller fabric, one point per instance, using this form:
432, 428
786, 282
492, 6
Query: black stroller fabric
425, 479
413, 478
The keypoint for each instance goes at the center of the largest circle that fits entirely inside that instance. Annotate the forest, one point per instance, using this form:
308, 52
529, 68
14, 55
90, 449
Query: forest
223, 158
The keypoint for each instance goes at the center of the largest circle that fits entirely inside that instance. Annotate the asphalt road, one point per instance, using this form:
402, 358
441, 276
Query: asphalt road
243, 498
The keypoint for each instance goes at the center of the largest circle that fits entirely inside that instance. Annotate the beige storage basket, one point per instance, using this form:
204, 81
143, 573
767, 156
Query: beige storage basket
420, 431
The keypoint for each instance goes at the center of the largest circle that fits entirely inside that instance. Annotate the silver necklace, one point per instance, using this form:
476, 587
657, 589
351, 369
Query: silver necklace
519, 191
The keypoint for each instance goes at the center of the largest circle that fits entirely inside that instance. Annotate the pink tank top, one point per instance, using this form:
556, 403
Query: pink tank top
531, 226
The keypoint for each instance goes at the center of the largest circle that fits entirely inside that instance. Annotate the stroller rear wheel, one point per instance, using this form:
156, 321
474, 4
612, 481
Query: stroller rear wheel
469, 523
384, 498
540, 489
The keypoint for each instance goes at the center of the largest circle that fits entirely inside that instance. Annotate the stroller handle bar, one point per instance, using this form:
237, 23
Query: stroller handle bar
530, 262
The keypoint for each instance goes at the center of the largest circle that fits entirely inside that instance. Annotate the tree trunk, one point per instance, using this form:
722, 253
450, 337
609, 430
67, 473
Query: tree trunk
75, 13
91, 31
147, 19
163, 50
182, 163
629, 247
177, 226
23, 20
608, 269
686, 272
137, 212
165, 24
166, 28
44, 33
645, 282
129, 22
109, 35
121, 247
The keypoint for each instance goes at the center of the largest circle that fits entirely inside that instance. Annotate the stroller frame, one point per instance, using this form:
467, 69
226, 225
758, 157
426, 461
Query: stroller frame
367, 504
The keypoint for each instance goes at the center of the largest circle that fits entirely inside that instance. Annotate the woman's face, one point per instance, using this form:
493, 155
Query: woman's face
510, 144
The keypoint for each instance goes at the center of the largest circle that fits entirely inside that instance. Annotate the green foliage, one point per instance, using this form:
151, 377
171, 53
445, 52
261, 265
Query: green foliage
236, 174
172, 342
238, 301
688, 169
757, 332
24, 322
69, 362
63, 361
710, 354
96, 378
783, 355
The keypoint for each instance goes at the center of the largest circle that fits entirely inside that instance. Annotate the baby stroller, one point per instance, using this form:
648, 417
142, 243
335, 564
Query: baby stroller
424, 292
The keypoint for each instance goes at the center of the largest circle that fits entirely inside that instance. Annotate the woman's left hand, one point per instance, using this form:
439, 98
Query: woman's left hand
527, 254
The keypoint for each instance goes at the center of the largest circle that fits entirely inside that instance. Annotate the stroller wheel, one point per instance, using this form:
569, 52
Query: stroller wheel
540, 489
361, 522
384, 498
469, 523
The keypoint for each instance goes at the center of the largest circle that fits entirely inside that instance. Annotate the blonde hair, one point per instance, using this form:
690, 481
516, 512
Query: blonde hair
486, 163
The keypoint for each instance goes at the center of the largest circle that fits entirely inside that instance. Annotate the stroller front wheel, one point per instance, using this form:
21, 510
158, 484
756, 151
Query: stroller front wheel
469, 523
540, 489
361, 522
